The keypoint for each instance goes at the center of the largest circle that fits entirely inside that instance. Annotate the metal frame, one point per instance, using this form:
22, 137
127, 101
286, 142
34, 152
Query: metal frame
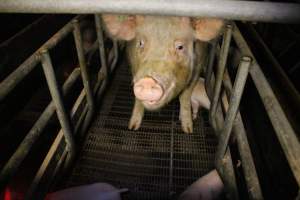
224, 121
227, 9
68, 131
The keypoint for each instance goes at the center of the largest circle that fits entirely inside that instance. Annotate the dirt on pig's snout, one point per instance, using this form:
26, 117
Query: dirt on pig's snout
166, 55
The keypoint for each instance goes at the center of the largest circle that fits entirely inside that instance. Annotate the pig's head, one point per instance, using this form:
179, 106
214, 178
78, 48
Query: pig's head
161, 51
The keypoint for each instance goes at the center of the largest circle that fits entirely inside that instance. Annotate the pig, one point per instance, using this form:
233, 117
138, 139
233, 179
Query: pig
208, 187
166, 55
199, 98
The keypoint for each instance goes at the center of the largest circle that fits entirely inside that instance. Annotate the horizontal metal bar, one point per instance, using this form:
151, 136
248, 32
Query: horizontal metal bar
62, 115
16, 159
8, 84
283, 129
233, 10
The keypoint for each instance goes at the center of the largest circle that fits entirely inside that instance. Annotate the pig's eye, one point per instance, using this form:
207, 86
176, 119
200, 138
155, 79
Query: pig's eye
179, 46
141, 44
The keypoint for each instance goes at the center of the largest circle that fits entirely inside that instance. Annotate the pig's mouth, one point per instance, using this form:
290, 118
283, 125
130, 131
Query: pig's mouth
153, 105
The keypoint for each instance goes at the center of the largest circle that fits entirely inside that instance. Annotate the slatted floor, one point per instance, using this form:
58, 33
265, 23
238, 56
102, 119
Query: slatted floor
156, 162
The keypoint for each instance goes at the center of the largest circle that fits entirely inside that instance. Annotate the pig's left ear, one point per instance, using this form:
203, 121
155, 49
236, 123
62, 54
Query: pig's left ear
207, 29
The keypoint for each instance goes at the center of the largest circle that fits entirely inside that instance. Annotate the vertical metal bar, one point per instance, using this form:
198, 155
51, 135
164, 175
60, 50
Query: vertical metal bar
23, 149
239, 131
209, 70
116, 55
225, 169
283, 129
220, 72
234, 103
63, 117
82, 63
101, 45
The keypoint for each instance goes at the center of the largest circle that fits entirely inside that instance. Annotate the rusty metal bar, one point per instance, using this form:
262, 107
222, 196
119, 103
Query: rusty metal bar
239, 131
285, 133
220, 73
234, 103
16, 159
232, 10
8, 84
52, 151
82, 63
62, 115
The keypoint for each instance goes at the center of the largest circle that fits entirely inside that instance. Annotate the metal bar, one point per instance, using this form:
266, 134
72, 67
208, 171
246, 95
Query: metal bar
62, 115
101, 46
8, 84
16, 159
52, 151
82, 63
234, 103
220, 73
239, 131
225, 169
209, 69
233, 10
285, 133
116, 55
288, 85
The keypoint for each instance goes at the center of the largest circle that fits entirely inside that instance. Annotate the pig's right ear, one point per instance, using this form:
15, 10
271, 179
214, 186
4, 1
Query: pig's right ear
120, 26
207, 29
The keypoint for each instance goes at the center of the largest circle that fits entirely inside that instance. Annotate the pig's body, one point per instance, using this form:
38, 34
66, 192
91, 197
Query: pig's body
165, 59
208, 187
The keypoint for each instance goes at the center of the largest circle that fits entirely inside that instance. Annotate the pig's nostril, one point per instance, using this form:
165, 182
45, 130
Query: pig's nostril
147, 89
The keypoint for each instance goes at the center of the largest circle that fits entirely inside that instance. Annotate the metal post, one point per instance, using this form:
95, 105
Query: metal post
82, 63
52, 152
220, 73
239, 131
283, 129
63, 117
226, 9
209, 69
234, 103
16, 159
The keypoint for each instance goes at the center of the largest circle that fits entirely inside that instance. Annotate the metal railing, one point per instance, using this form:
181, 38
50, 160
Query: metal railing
228, 122
68, 130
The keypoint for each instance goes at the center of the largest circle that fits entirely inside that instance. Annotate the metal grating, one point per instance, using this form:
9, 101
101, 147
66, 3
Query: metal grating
156, 162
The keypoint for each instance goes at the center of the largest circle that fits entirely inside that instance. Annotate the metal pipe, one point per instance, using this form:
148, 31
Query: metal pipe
225, 169
82, 64
52, 151
101, 46
239, 131
209, 69
234, 103
16, 159
283, 129
220, 73
8, 84
290, 89
62, 115
232, 10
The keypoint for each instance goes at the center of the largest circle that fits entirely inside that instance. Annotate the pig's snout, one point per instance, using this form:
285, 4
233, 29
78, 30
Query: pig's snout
148, 89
